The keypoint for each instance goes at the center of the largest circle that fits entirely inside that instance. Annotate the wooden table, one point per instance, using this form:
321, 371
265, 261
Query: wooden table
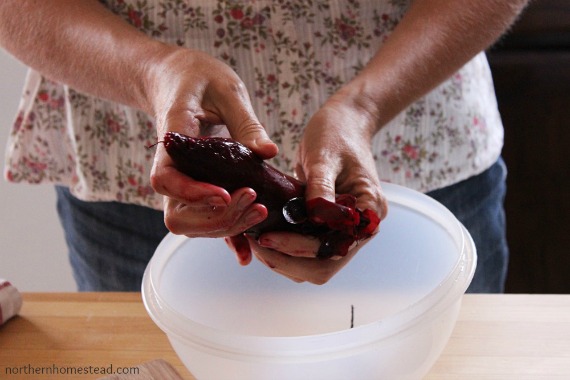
496, 337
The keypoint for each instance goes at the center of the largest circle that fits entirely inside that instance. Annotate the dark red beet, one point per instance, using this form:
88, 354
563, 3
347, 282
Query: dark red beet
230, 165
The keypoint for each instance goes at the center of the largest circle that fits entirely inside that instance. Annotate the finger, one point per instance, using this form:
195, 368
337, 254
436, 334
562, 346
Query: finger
320, 182
372, 197
243, 124
363, 184
181, 219
167, 180
299, 268
299, 173
268, 262
274, 269
181, 116
248, 131
196, 220
382, 205
291, 244
240, 245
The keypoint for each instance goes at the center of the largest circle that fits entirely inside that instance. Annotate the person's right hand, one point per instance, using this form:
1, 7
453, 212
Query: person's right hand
193, 93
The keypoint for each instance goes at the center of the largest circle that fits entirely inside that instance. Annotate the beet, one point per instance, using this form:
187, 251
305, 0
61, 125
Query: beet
228, 164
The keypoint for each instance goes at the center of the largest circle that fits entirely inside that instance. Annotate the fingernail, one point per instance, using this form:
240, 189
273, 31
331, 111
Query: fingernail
245, 200
253, 217
217, 201
265, 242
264, 141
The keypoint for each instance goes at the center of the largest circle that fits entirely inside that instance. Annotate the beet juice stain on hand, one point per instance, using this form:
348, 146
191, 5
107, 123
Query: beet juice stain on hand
228, 164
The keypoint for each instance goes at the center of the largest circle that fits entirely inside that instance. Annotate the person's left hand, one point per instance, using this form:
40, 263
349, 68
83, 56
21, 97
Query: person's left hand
334, 157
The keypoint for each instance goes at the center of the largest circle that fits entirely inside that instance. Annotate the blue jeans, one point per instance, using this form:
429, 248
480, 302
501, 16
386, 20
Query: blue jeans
478, 203
111, 243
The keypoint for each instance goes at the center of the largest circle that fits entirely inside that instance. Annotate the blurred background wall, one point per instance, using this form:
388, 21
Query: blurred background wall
531, 69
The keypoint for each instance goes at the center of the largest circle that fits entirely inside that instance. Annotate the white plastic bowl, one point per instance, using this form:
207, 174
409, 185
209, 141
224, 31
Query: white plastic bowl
405, 287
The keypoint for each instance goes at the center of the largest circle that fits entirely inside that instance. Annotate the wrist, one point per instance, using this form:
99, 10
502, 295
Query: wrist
155, 73
366, 109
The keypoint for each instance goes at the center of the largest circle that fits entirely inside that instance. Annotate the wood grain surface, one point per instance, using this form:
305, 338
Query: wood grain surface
519, 337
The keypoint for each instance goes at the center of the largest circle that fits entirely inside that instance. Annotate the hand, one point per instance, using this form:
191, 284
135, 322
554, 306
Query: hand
196, 94
294, 256
334, 157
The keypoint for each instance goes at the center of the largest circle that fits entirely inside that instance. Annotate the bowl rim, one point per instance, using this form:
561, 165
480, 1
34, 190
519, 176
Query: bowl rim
450, 289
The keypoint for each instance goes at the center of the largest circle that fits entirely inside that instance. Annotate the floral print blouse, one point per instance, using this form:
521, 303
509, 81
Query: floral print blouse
291, 54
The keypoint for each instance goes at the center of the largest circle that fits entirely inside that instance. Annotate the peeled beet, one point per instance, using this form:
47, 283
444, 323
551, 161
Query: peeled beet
228, 164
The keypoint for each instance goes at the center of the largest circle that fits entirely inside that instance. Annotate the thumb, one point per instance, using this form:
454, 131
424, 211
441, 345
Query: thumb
252, 134
320, 182
244, 126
